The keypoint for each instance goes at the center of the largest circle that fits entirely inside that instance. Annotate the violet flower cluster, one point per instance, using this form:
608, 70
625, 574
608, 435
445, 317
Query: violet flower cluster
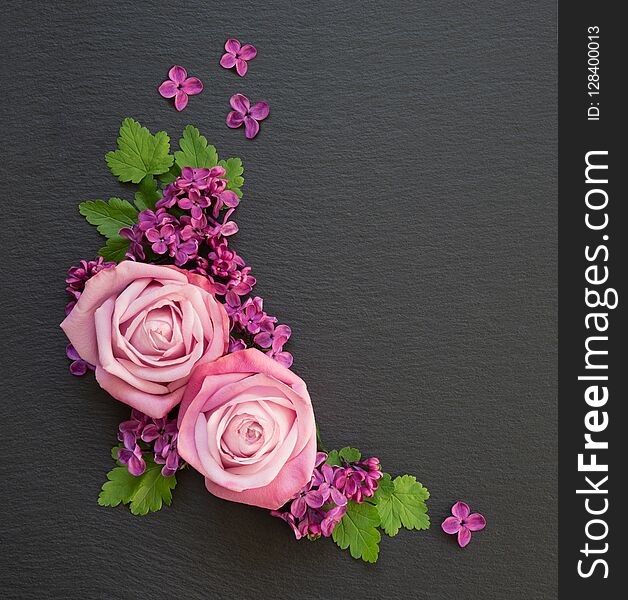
186, 225
320, 505
162, 434
78, 277
180, 235
251, 326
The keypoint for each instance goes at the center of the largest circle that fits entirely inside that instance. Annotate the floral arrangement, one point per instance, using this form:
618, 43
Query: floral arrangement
166, 318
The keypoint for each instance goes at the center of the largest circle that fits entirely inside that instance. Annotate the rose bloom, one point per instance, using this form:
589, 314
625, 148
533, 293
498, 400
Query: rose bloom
145, 327
246, 423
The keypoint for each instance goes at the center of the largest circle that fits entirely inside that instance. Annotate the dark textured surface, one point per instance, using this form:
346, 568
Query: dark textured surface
400, 215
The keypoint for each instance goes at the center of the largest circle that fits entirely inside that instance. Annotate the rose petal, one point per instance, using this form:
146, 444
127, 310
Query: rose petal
251, 127
259, 110
241, 67
235, 119
168, 89
177, 74
451, 525
464, 536
227, 61
460, 510
247, 52
192, 86
232, 45
240, 103
475, 522
180, 100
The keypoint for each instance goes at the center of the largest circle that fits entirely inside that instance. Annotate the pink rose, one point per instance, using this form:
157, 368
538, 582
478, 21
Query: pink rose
145, 327
247, 424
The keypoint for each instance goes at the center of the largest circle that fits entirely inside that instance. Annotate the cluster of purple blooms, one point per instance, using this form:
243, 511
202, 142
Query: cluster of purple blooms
321, 504
160, 433
78, 276
76, 279
181, 238
250, 325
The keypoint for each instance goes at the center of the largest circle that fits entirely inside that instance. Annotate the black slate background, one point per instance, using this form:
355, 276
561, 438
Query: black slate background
400, 214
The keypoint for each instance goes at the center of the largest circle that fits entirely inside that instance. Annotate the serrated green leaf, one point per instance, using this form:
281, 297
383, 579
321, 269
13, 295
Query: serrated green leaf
339, 457
333, 458
139, 153
233, 173
194, 150
385, 487
148, 194
153, 490
144, 494
350, 454
115, 249
358, 531
405, 506
109, 217
119, 488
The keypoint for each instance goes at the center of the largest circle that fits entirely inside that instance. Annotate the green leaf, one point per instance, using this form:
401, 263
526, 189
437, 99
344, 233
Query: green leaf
139, 153
109, 217
333, 458
148, 194
115, 249
339, 457
350, 454
358, 531
119, 489
233, 173
144, 494
152, 491
405, 506
194, 150
385, 488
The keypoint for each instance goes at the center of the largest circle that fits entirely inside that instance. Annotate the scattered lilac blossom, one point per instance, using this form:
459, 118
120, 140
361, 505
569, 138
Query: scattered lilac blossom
237, 55
243, 112
179, 86
463, 522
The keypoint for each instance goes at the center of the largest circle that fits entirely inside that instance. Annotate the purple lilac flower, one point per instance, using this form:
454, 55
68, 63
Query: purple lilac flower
277, 352
161, 433
197, 179
133, 459
135, 235
194, 228
161, 238
179, 86
237, 55
78, 366
236, 344
463, 523
252, 316
183, 250
322, 503
270, 333
195, 202
148, 219
78, 277
243, 112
